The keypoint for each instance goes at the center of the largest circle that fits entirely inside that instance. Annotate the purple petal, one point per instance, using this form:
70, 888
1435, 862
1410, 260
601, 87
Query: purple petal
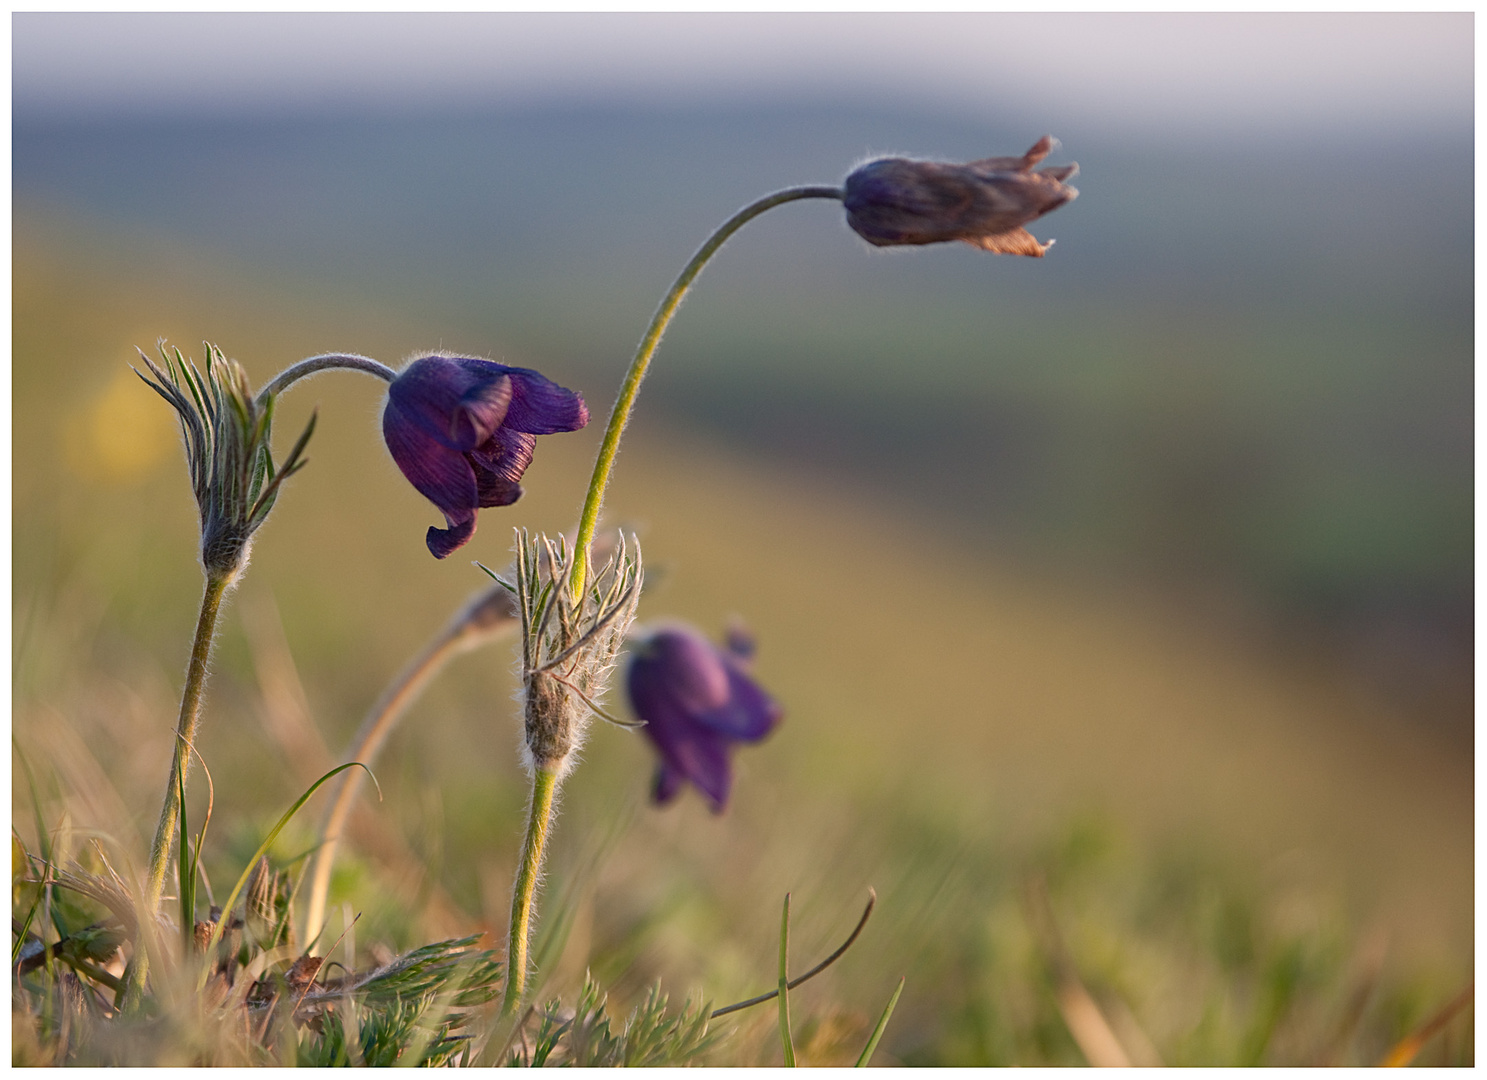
897, 201
688, 749
697, 702
456, 400
499, 464
703, 759
480, 413
686, 668
667, 784
495, 489
440, 474
442, 541
750, 713
540, 406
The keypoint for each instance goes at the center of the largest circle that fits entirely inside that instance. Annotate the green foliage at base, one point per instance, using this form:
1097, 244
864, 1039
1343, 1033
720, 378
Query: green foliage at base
582, 1036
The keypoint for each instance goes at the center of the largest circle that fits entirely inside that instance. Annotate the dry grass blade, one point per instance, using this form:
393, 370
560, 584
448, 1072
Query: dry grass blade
1091, 1030
1404, 1051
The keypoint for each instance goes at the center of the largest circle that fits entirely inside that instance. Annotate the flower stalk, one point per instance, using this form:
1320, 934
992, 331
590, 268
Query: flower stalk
569, 646
548, 697
488, 615
588, 519
313, 365
186, 726
227, 432
523, 893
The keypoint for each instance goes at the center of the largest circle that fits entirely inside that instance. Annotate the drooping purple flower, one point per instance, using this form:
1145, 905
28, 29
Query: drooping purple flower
462, 430
697, 701
985, 203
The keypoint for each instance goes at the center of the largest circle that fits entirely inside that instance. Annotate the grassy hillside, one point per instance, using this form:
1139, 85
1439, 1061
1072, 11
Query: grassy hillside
1230, 836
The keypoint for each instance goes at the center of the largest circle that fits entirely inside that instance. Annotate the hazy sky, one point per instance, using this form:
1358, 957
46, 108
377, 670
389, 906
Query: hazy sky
1250, 70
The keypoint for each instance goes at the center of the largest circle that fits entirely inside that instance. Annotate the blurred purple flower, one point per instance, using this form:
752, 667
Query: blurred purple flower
462, 430
985, 203
697, 701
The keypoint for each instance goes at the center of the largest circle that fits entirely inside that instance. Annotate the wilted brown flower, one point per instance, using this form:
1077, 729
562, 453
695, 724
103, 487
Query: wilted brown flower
985, 203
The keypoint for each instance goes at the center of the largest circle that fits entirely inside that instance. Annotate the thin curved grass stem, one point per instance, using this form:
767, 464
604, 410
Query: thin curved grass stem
589, 518
872, 898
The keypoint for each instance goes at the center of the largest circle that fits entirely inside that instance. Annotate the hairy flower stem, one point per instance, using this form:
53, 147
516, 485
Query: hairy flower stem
170, 814
325, 362
380, 720
539, 822
589, 519
545, 776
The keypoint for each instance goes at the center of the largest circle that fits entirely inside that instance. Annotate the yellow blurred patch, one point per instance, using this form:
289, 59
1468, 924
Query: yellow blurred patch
123, 433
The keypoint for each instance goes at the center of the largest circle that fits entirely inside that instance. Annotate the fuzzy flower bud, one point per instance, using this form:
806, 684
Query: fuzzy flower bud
227, 437
569, 645
894, 201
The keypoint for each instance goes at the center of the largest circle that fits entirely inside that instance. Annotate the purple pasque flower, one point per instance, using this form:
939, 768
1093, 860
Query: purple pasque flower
985, 203
462, 430
697, 701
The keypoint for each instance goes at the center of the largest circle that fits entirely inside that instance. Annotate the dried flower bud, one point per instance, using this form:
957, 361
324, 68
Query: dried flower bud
894, 201
227, 435
569, 645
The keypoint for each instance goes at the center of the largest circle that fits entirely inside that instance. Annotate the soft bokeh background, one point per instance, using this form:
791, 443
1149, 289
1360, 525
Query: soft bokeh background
1146, 566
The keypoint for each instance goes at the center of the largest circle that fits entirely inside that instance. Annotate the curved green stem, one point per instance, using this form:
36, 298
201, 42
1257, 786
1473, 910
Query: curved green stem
486, 616
170, 813
545, 778
325, 362
379, 722
539, 822
589, 519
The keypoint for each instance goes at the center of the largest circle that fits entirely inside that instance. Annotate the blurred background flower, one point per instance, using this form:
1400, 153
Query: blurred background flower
697, 701
1162, 546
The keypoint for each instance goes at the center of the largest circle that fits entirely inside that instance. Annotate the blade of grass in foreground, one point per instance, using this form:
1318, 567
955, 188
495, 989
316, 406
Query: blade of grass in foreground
872, 898
785, 1041
227, 905
185, 876
41, 839
877, 1035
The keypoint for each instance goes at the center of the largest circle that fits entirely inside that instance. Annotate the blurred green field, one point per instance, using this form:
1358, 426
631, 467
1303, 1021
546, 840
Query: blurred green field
1236, 842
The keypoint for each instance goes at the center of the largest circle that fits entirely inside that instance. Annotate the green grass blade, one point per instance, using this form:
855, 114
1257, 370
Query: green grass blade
268, 842
785, 1040
20, 940
185, 876
43, 841
873, 1039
